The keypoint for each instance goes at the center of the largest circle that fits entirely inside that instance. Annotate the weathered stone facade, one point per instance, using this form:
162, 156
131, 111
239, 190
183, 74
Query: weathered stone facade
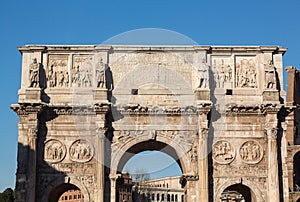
218, 111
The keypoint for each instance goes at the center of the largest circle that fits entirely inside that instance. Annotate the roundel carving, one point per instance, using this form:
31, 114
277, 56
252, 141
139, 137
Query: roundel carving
54, 151
223, 152
251, 152
81, 151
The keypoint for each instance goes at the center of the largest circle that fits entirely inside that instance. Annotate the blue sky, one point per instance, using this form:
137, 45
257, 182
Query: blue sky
215, 22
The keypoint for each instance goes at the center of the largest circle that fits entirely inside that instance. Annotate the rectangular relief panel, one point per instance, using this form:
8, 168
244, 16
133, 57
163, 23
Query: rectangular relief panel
223, 72
246, 72
82, 71
58, 71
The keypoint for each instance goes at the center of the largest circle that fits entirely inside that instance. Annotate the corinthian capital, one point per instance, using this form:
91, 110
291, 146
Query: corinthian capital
32, 131
271, 133
203, 133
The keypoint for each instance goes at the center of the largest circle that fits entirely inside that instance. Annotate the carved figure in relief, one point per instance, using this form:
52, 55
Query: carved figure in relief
51, 77
81, 151
203, 74
270, 74
66, 79
60, 79
246, 74
54, 151
251, 152
223, 152
34, 73
85, 80
100, 74
194, 159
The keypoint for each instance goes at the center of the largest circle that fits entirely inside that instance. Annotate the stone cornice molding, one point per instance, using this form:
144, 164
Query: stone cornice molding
136, 109
184, 178
24, 109
262, 109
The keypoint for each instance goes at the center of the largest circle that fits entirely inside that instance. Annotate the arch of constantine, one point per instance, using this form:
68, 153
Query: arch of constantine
220, 112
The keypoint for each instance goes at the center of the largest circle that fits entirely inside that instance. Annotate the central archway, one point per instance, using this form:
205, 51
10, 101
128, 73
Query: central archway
149, 145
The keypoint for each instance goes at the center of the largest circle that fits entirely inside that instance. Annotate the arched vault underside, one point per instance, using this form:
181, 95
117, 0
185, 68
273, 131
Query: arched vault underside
148, 145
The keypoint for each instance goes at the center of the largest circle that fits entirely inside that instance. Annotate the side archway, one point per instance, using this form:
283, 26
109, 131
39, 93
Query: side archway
57, 187
246, 188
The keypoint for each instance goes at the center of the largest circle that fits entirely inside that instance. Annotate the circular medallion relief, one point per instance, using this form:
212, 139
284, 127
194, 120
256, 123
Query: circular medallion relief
251, 152
223, 152
81, 151
55, 151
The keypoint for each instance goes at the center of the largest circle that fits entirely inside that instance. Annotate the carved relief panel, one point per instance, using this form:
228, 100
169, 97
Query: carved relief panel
246, 72
251, 152
55, 151
81, 151
223, 71
58, 73
223, 152
82, 71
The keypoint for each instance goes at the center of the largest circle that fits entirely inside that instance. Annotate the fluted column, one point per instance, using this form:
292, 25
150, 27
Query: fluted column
113, 186
100, 134
203, 165
273, 182
31, 164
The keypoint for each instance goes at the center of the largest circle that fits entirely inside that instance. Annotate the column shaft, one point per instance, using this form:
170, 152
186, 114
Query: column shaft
273, 182
203, 165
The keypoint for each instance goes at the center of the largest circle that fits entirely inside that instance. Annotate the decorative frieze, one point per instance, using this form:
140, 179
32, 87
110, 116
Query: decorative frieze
240, 170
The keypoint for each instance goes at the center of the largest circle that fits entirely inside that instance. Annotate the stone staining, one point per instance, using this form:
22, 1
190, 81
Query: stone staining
81, 151
251, 152
34, 74
246, 73
57, 75
82, 71
55, 151
270, 75
223, 152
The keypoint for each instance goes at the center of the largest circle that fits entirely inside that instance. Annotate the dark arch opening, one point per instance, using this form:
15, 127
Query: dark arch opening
150, 145
298, 200
65, 189
297, 171
239, 193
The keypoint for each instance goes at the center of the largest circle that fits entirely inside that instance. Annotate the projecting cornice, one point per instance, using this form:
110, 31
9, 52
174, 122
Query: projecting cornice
240, 110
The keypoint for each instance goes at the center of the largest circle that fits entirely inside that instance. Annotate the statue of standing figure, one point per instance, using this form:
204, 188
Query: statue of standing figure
100, 74
270, 74
34, 73
203, 74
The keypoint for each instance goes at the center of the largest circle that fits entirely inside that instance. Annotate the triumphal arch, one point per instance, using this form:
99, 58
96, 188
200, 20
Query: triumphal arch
86, 110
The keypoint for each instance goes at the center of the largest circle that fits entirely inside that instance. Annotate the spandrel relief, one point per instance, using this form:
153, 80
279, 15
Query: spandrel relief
81, 151
246, 72
251, 152
57, 74
82, 71
222, 69
55, 151
223, 152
